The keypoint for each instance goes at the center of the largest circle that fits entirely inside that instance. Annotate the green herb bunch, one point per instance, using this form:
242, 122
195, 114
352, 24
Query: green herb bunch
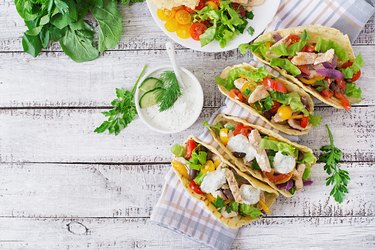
123, 111
337, 177
64, 21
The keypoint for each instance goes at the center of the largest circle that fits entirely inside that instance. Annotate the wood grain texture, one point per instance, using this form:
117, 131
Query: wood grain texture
56, 233
53, 80
96, 190
135, 19
66, 135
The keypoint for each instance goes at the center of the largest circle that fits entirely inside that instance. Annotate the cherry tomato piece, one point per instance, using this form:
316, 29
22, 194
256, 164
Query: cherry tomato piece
190, 146
341, 83
344, 101
196, 30
356, 76
171, 25
183, 17
189, 9
275, 107
309, 48
212, 4
200, 5
278, 178
183, 31
242, 129
327, 93
194, 186
239, 8
275, 85
304, 122
347, 64
237, 95
291, 39
304, 69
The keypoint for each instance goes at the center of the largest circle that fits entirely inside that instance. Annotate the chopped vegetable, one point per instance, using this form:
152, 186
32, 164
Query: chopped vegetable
190, 146
178, 150
283, 147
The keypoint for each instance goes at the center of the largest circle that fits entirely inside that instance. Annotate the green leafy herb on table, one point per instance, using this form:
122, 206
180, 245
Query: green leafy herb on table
64, 21
123, 111
337, 177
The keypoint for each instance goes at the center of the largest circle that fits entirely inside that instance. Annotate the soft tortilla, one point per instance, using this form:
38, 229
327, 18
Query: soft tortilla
314, 31
291, 87
239, 162
238, 221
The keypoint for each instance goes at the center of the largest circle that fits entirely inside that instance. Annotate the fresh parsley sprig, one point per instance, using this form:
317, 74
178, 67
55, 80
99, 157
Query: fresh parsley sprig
123, 111
337, 177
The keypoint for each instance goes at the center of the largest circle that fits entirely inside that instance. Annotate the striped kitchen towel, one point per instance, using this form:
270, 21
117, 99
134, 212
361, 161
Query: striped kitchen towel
175, 209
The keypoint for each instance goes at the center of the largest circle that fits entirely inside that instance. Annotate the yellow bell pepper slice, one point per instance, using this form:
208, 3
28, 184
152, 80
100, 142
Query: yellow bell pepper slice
264, 207
312, 80
180, 168
224, 135
208, 167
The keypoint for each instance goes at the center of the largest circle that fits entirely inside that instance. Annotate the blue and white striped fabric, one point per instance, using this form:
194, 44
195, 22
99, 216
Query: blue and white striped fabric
175, 209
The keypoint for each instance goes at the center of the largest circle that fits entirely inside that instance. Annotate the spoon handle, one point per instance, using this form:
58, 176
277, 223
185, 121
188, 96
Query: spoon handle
170, 50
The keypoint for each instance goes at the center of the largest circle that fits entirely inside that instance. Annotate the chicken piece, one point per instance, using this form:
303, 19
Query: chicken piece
259, 93
233, 186
297, 176
261, 156
239, 83
276, 118
325, 57
296, 125
219, 193
228, 215
303, 58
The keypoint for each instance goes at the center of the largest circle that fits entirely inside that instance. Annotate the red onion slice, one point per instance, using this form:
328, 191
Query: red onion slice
330, 73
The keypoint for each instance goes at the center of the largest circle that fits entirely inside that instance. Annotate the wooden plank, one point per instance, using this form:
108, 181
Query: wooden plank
52, 80
135, 19
95, 190
297, 233
66, 135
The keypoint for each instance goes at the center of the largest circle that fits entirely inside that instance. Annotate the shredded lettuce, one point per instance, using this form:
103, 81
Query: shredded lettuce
292, 99
258, 48
235, 73
308, 159
350, 71
306, 173
216, 127
199, 178
208, 36
353, 91
283, 147
249, 210
178, 150
323, 45
285, 64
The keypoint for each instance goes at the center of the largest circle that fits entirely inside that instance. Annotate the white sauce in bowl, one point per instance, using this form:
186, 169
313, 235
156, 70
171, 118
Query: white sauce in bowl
182, 114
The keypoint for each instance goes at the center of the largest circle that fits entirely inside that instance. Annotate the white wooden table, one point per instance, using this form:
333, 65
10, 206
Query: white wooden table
63, 186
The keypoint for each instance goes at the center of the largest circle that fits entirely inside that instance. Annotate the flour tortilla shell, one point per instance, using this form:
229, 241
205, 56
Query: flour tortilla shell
239, 162
238, 221
291, 87
314, 31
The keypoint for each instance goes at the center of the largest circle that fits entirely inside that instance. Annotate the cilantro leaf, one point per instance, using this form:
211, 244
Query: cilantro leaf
170, 90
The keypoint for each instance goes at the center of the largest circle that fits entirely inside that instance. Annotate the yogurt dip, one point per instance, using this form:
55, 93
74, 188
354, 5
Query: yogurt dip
182, 114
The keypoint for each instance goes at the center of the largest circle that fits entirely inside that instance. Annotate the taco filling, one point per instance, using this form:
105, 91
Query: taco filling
269, 96
276, 162
321, 64
231, 194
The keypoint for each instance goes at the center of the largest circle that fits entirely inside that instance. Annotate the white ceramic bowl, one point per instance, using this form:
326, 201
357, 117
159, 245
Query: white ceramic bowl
194, 109
263, 15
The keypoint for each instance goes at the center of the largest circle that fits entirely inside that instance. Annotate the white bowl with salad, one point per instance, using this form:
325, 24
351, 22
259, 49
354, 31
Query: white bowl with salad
212, 25
165, 105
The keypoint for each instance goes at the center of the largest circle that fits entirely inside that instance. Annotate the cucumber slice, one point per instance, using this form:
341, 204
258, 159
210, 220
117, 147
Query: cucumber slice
150, 83
148, 99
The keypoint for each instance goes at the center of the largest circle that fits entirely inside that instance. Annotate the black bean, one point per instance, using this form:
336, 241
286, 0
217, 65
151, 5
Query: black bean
239, 154
228, 194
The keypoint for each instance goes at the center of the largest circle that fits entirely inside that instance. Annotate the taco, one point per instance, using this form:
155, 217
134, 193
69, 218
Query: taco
278, 102
235, 199
283, 165
318, 59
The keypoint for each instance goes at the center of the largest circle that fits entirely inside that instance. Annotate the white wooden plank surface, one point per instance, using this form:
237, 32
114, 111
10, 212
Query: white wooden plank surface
95, 190
53, 80
121, 233
66, 135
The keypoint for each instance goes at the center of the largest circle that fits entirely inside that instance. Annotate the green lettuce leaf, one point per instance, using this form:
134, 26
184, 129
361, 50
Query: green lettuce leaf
283, 50
292, 99
235, 73
315, 119
283, 147
258, 48
323, 45
249, 210
199, 178
208, 36
308, 159
353, 91
350, 71
285, 64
